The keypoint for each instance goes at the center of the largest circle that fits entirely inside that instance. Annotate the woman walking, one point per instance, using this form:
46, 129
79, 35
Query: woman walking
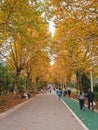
81, 98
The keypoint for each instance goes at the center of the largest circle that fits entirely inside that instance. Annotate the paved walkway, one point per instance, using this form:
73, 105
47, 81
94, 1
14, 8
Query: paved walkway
42, 112
88, 117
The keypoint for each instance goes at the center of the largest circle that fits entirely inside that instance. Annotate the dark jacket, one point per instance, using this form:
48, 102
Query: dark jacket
90, 96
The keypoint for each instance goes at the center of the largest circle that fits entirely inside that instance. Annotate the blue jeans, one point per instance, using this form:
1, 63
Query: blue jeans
81, 103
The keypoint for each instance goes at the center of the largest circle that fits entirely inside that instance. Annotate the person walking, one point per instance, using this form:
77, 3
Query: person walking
90, 96
59, 92
68, 91
81, 98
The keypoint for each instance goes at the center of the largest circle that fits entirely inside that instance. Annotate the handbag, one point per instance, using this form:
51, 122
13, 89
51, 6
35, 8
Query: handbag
94, 103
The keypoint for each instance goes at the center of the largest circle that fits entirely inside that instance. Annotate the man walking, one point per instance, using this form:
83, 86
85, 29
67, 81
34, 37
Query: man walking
81, 98
90, 96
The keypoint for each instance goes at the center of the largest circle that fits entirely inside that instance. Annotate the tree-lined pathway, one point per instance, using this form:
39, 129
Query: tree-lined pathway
43, 112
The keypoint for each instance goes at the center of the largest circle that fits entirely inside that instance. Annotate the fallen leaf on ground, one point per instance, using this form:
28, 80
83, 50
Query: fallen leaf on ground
11, 123
24, 129
34, 122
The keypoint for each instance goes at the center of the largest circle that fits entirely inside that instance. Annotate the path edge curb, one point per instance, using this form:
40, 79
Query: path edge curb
81, 123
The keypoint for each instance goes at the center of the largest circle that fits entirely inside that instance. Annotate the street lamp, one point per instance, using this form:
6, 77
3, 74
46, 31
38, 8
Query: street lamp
91, 77
91, 73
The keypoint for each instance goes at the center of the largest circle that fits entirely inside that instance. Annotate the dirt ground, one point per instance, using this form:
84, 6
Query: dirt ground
10, 101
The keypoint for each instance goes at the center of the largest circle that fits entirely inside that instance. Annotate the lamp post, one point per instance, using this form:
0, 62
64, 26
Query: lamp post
91, 73
91, 77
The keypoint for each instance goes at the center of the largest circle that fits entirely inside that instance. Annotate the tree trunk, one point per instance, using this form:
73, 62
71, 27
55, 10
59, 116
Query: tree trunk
79, 82
16, 86
28, 81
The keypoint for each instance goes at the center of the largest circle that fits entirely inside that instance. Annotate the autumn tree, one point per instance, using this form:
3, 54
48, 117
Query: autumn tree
26, 34
76, 33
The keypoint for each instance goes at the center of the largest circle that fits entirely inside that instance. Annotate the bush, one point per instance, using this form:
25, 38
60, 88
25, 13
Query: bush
96, 96
41, 85
96, 88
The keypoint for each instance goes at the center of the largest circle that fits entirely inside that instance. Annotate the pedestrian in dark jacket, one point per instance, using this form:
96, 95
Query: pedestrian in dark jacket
68, 91
90, 97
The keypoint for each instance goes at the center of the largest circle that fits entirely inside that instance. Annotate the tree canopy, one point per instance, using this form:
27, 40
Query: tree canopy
26, 43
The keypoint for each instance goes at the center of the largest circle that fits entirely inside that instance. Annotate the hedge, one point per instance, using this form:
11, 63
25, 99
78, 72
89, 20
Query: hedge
96, 96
